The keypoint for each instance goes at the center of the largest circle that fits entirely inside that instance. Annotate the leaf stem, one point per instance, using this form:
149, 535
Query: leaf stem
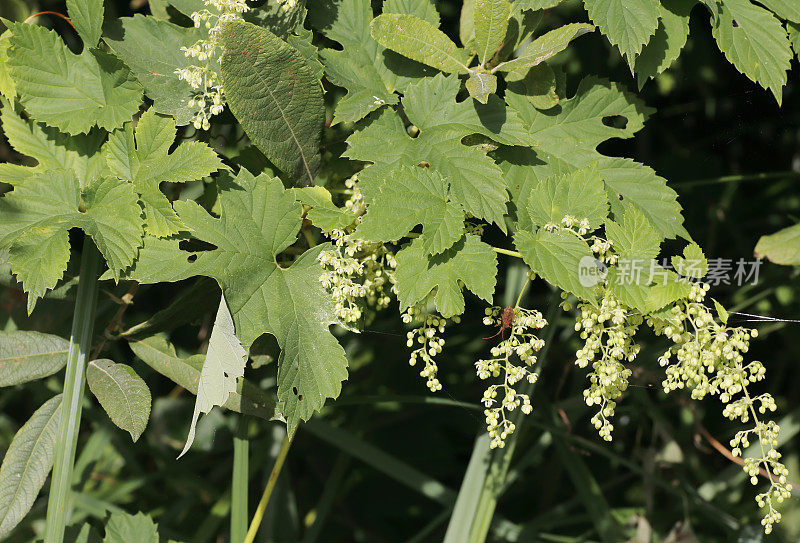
507, 252
273, 477
74, 383
241, 466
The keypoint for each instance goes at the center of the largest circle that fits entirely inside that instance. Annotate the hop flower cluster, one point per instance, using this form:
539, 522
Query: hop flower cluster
603, 251
209, 98
358, 274
608, 332
429, 343
708, 359
523, 343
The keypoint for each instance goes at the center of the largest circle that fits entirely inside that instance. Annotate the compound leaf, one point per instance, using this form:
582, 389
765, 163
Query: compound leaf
26, 464
122, 393
276, 95
28, 356
470, 262
68, 91
755, 42
418, 40
405, 197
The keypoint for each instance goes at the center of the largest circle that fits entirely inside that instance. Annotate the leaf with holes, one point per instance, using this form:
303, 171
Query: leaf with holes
122, 393
276, 96
755, 42
26, 464
35, 219
258, 220
401, 198
475, 180
28, 356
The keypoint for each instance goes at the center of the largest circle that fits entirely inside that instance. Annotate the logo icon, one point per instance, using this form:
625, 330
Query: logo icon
591, 271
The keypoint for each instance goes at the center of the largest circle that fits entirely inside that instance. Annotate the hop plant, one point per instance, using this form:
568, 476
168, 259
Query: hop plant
707, 358
209, 97
500, 399
429, 344
358, 275
608, 332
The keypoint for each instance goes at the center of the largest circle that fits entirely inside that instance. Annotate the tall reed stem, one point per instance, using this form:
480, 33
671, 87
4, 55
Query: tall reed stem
241, 466
74, 381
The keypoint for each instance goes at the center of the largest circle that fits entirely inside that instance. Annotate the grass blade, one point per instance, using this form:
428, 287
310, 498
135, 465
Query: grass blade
74, 382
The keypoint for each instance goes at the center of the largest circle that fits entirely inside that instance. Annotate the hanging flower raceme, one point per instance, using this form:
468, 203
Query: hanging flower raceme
209, 98
360, 275
500, 399
608, 332
429, 343
707, 359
